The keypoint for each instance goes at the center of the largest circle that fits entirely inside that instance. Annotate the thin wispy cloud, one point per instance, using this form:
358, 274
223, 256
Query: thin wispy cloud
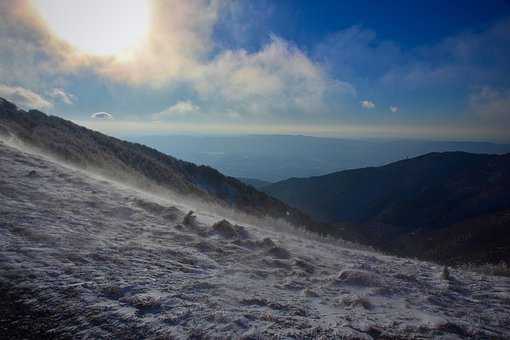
181, 108
61, 95
102, 116
491, 104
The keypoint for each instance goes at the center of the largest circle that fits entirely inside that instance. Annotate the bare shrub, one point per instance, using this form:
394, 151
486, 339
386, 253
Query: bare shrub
229, 230
305, 265
445, 274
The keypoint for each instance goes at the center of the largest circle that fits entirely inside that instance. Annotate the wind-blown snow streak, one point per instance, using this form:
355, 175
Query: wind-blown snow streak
111, 262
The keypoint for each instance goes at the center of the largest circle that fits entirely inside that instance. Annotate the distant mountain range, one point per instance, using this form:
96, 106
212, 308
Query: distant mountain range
278, 157
450, 206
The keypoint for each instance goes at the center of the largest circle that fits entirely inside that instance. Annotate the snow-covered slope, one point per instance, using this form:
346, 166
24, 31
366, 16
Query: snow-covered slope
144, 167
105, 261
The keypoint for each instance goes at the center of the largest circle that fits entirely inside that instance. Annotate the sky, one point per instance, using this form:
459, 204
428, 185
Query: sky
405, 69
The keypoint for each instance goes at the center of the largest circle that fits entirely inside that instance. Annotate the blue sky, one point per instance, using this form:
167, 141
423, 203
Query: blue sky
425, 69
410, 23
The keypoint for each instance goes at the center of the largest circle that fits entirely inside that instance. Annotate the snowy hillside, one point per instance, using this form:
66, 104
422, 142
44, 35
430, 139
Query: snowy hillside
144, 167
84, 257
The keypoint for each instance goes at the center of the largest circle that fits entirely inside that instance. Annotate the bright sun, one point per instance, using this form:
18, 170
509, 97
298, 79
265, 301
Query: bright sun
101, 27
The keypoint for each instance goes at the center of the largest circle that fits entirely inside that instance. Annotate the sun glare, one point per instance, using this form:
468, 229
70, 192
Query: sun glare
97, 26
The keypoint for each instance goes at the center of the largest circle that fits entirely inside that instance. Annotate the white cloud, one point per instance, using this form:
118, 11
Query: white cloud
179, 39
24, 98
29, 52
102, 116
491, 103
60, 94
367, 104
278, 78
394, 109
180, 51
176, 48
181, 108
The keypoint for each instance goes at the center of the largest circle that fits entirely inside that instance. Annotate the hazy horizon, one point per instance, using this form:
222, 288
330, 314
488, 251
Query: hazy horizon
278, 157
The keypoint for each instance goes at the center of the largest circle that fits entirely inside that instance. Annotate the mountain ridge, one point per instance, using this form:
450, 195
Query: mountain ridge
126, 161
409, 200
444, 169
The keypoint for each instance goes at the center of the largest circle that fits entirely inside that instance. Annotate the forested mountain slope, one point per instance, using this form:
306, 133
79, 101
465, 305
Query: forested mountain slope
135, 163
401, 205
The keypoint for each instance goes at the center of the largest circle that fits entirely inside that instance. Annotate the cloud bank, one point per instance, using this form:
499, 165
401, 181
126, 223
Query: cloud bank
179, 52
24, 97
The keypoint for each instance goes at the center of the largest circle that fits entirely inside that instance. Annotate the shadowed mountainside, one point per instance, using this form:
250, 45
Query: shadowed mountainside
435, 206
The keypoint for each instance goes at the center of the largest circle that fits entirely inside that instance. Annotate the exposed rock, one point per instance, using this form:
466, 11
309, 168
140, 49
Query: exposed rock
190, 219
267, 243
169, 213
279, 253
33, 174
306, 266
357, 278
145, 302
229, 230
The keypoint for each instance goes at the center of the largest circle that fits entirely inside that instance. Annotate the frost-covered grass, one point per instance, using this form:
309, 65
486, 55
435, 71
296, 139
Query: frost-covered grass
106, 261
499, 269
